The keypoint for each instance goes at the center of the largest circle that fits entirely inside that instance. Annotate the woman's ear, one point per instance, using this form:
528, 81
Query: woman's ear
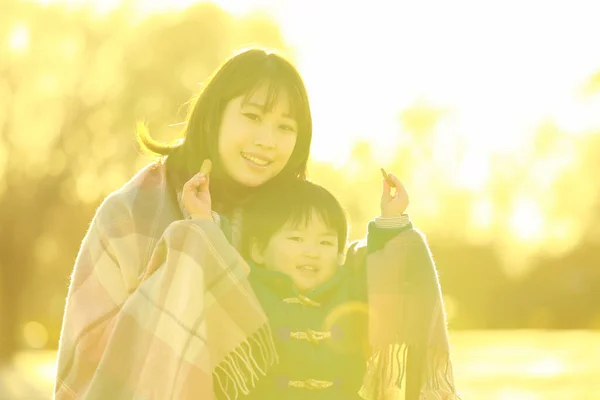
256, 253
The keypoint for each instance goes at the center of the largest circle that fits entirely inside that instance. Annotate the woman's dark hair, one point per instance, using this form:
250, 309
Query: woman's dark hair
292, 202
240, 75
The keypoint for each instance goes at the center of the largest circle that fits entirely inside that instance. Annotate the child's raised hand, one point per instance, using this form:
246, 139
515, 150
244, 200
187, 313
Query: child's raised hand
394, 197
196, 196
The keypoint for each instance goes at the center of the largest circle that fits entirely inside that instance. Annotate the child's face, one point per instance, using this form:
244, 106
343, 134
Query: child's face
307, 253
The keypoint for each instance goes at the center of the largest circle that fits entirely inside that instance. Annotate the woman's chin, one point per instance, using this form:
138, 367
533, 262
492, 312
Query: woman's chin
252, 179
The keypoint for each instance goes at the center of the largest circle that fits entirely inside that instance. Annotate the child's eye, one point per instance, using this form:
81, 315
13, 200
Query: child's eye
287, 128
327, 243
252, 116
295, 238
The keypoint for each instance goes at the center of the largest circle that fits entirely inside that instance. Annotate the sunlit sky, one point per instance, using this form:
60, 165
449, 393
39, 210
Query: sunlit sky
511, 62
494, 72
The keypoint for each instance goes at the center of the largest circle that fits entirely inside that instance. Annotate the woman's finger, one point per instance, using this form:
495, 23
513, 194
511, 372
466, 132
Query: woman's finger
203, 184
195, 182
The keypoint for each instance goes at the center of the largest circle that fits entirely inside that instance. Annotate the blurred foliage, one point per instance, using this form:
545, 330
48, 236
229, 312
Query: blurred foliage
73, 83
72, 86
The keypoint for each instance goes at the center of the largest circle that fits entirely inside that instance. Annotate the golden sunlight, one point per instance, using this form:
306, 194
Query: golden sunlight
465, 94
381, 69
19, 38
527, 220
488, 112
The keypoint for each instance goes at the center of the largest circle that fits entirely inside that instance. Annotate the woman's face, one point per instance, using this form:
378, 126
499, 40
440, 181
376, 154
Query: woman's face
255, 144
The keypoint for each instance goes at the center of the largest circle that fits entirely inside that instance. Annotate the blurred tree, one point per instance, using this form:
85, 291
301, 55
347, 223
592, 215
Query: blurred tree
473, 276
592, 86
563, 292
75, 83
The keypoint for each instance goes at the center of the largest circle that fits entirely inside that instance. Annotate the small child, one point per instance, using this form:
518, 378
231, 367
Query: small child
324, 313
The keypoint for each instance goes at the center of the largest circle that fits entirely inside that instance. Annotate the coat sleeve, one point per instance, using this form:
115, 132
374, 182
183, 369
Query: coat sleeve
146, 337
407, 325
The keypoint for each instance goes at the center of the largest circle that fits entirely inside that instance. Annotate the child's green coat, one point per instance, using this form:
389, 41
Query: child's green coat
321, 335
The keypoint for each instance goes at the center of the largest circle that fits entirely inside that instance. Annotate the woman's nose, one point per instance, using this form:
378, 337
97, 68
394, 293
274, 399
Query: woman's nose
265, 137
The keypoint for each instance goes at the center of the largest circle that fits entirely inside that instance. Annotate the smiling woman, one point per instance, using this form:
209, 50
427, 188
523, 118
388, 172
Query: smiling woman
159, 301
252, 120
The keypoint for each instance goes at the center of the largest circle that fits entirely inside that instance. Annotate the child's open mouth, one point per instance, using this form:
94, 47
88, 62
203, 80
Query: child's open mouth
311, 268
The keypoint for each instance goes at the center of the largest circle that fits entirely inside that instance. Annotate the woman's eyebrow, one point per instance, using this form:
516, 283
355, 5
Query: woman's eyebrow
262, 108
252, 104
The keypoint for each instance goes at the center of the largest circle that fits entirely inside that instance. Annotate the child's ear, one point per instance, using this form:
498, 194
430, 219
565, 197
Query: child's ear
342, 258
256, 253
342, 254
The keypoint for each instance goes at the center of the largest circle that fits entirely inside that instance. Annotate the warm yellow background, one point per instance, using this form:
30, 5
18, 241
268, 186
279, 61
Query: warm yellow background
488, 111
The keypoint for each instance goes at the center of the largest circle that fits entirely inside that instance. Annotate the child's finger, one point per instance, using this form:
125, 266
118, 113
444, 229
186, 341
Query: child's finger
400, 188
397, 183
386, 192
386, 176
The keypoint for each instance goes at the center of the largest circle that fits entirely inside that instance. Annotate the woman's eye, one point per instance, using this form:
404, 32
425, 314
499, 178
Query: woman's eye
252, 116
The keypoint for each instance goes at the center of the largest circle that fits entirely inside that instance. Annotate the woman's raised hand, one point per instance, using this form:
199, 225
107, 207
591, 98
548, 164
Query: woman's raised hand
196, 195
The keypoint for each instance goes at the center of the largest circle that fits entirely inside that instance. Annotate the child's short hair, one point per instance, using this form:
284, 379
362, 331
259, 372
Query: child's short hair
293, 201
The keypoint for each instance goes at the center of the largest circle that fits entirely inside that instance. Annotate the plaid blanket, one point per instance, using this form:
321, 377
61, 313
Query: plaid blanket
158, 307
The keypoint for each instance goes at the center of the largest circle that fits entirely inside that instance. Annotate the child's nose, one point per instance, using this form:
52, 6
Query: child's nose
311, 250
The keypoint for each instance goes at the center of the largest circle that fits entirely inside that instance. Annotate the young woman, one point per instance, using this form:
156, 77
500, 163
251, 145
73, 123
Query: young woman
155, 309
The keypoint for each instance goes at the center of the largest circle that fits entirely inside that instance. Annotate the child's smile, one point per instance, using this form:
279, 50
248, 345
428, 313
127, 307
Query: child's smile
307, 253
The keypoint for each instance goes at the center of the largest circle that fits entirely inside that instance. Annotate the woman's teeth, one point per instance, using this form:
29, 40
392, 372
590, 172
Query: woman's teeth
257, 161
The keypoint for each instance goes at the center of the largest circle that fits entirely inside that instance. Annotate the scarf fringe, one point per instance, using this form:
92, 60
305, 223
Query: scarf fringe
240, 370
385, 377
